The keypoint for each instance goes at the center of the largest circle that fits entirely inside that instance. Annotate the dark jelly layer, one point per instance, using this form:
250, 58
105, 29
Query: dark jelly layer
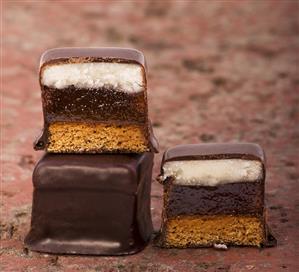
233, 198
104, 104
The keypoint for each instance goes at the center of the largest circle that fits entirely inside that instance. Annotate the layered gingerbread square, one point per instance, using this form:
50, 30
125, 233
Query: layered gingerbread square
91, 204
94, 101
213, 194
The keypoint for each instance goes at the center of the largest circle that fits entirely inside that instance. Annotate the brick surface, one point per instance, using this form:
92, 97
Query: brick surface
218, 71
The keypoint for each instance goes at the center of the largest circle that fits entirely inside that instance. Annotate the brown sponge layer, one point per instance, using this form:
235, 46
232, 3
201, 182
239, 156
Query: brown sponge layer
65, 137
192, 231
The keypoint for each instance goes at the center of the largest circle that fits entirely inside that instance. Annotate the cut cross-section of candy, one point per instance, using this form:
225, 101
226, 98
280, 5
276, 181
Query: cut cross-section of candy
94, 101
213, 194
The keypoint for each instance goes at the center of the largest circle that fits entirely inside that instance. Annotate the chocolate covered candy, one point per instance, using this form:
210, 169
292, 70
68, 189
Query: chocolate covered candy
213, 194
94, 100
91, 204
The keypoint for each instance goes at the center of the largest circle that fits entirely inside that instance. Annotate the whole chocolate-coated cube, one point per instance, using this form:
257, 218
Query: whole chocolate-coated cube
91, 204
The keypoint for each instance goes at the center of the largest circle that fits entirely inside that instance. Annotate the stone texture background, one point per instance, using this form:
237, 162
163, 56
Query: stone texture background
218, 71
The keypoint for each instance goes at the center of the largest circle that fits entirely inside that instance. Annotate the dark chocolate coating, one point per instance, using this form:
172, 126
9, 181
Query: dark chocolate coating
227, 199
248, 151
102, 105
90, 54
91, 204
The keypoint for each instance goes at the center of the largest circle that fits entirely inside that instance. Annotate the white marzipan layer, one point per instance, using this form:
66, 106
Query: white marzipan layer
213, 172
126, 77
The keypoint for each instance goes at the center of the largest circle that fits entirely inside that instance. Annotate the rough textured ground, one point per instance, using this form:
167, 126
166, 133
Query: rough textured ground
218, 71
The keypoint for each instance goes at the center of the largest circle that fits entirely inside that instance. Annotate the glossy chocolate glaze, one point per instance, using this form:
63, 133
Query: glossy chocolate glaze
94, 105
91, 204
248, 151
92, 54
232, 198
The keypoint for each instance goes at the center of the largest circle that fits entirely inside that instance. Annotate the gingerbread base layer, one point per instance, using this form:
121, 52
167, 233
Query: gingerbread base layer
67, 137
201, 231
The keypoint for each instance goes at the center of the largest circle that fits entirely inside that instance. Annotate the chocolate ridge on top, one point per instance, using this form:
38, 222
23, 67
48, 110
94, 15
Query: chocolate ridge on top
89, 54
248, 151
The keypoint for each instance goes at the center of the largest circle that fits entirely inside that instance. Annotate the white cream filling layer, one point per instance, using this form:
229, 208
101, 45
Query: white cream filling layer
127, 77
213, 172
